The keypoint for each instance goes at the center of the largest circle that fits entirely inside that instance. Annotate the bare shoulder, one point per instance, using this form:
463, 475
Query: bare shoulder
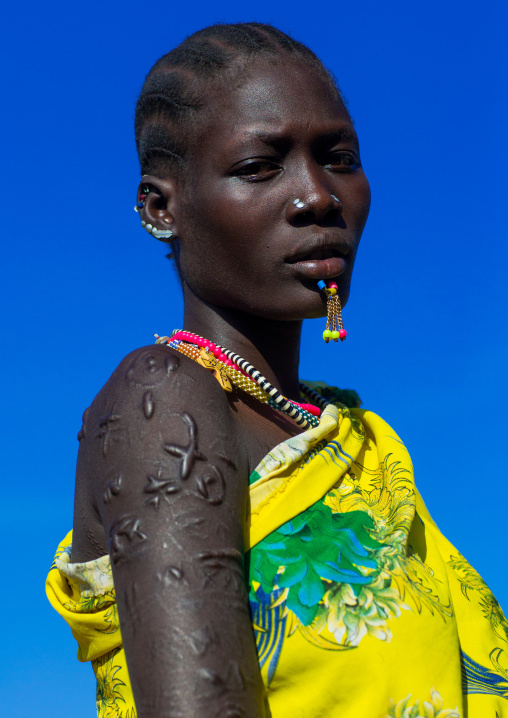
152, 381
161, 482
158, 420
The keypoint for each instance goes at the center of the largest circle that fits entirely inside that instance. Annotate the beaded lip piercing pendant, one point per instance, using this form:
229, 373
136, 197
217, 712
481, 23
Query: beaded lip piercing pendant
163, 235
334, 327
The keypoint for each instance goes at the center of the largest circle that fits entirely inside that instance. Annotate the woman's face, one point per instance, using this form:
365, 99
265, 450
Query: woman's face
279, 135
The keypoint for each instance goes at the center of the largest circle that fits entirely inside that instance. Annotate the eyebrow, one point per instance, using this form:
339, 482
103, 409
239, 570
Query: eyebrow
338, 136
273, 139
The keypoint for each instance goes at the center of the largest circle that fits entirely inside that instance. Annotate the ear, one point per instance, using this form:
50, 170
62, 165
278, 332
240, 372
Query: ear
159, 203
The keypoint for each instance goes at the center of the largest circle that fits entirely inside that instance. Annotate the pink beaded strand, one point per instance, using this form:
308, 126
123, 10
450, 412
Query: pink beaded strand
219, 354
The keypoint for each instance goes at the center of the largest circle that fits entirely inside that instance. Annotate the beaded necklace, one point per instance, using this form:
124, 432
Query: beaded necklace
230, 368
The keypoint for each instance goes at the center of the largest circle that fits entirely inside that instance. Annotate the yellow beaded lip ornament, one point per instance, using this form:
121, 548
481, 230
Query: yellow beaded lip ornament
334, 327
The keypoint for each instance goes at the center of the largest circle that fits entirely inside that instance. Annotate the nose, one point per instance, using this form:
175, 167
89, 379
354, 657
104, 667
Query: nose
314, 203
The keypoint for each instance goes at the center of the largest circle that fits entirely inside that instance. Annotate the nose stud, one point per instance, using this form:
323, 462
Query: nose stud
300, 205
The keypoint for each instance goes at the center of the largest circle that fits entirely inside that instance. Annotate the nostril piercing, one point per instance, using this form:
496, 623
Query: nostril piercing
298, 203
335, 198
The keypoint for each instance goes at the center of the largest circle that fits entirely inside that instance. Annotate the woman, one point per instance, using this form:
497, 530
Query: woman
259, 560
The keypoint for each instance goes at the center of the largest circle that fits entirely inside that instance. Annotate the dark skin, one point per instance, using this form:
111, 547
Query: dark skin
162, 480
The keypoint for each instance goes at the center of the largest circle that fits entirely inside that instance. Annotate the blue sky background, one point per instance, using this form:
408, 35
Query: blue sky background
84, 284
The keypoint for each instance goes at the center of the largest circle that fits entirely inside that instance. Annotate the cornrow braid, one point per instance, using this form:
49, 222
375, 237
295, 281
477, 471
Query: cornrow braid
174, 93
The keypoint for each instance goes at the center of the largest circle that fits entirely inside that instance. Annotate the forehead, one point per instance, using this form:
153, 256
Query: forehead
286, 98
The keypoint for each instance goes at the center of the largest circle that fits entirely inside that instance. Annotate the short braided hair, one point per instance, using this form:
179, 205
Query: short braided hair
174, 92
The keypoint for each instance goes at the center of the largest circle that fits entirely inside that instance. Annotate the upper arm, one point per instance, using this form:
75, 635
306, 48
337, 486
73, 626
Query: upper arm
170, 487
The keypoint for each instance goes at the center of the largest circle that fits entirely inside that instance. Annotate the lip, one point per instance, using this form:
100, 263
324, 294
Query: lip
320, 268
322, 257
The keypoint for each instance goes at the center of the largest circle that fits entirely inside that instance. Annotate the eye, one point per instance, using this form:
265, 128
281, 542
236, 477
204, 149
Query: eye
256, 170
342, 161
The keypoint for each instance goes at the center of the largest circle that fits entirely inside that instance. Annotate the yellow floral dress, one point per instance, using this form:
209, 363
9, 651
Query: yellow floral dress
359, 604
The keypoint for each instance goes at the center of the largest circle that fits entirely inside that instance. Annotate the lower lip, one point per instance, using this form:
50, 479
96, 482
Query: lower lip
320, 268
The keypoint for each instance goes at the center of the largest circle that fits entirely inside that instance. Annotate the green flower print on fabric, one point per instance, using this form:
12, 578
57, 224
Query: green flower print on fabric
421, 709
311, 550
352, 615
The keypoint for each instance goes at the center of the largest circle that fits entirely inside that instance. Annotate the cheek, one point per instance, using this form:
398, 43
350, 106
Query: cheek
219, 247
225, 225
359, 197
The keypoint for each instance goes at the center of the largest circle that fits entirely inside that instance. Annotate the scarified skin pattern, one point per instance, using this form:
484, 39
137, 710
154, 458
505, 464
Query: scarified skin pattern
170, 575
158, 488
188, 454
148, 404
125, 533
107, 424
82, 431
211, 486
150, 368
164, 475
112, 489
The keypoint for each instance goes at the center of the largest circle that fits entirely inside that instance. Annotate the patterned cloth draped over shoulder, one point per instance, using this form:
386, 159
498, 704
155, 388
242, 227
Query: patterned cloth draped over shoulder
360, 606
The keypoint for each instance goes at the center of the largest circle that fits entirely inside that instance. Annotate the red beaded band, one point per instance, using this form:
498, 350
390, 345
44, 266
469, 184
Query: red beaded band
218, 353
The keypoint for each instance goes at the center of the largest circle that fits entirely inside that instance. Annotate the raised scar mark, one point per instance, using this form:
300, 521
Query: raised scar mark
132, 606
172, 363
159, 488
148, 404
150, 368
112, 489
123, 534
220, 553
190, 523
107, 424
224, 564
201, 639
170, 575
228, 461
230, 680
82, 431
238, 675
190, 453
211, 486
235, 712
213, 678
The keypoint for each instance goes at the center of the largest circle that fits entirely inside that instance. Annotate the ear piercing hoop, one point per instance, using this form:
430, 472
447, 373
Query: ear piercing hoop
163, 235
141, 199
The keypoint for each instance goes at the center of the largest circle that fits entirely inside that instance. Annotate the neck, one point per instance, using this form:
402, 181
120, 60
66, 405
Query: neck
273, 347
